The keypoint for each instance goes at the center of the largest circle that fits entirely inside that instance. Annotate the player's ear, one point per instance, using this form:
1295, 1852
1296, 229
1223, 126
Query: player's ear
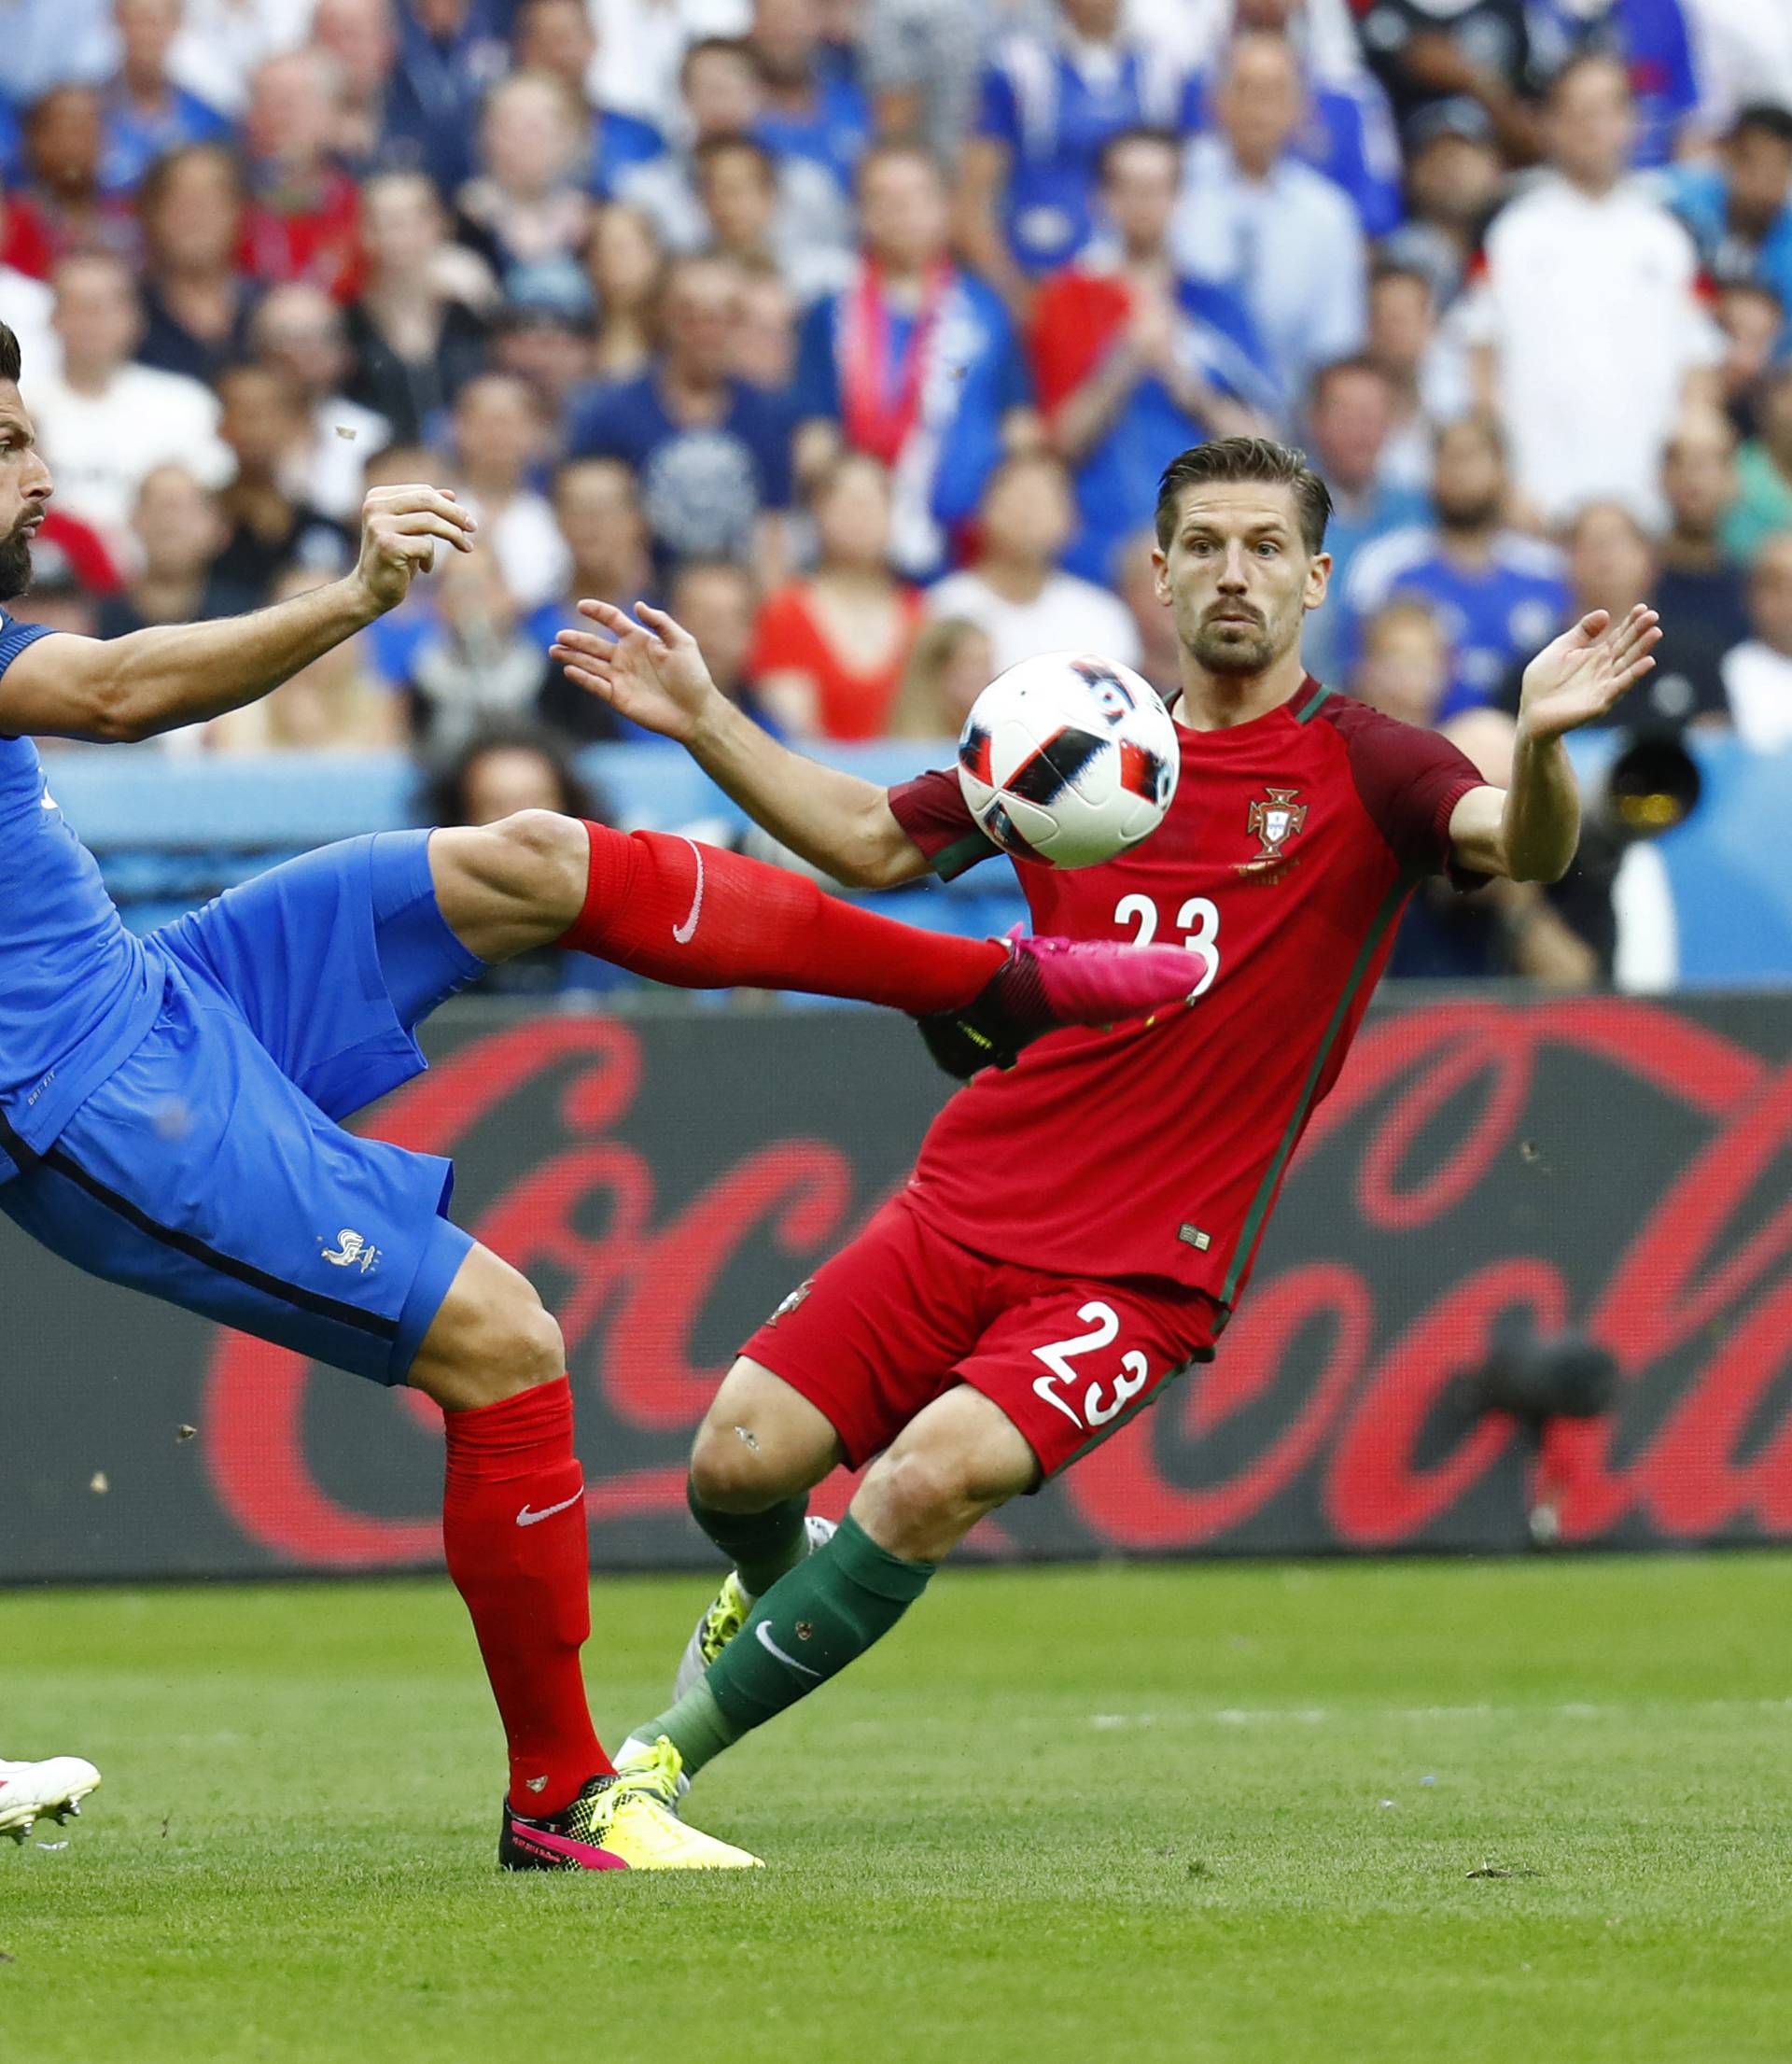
1319, 580
1160, 575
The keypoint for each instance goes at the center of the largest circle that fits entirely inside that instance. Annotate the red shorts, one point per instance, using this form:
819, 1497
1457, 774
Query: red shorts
905, 1314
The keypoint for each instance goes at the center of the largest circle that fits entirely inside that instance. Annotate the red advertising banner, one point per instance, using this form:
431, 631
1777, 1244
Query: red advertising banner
1613, 1167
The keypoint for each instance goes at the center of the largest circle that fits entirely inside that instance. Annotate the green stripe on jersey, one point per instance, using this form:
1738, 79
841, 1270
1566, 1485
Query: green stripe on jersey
1320, 695
1385, 916
962, 854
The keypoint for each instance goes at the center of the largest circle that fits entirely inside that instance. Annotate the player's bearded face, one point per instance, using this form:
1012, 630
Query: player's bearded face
15, 557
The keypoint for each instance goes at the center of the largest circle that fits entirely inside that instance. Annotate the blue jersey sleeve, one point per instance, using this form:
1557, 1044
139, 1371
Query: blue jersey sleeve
14, 637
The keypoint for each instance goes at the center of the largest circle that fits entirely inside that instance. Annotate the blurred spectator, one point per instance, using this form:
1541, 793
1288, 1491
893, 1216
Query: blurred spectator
1740, 209
1497, 594
106, 422
717, 602
1589, 337
814, 108
62, 202
526, 209
764, 346
75, 551
1751, 318
361, 40
196, 297
1426, 377
1758, 673
222, 43
627, 270
604, 542
1134, 362
641, 43
1510, 928
1051, 97
1348, 416
304, 335
334, 705
24, 296
1255, 219
1426, 52
498, 437
1763, 505
271, 524
474, 661
1650, 39
916, 362
146, 112
1744, 53
301, 218
58, 598
1455, 179
1016, 588
178, 533
829, 649
949, 665
45, 46
921, 60
1698, 582
1160, 650
724, 96
1347, 131
555, 38
415, 343
713, 454
450, 52
737, 185
545, 340
1612, 567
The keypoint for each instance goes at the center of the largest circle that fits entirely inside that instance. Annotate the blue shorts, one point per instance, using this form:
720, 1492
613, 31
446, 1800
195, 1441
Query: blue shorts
210, 1170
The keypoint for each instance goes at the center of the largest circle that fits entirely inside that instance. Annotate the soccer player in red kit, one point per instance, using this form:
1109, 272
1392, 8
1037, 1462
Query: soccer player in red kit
1079, 1227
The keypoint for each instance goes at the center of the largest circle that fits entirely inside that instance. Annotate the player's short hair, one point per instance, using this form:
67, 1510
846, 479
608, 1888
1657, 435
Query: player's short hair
8, 354
1226, 460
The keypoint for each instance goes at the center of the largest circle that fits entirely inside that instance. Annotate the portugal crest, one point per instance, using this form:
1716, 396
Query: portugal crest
1275, 818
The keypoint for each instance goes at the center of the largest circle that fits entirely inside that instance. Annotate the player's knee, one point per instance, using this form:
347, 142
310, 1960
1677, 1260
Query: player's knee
920, 1501
514, 1345
731, 1472
542, 856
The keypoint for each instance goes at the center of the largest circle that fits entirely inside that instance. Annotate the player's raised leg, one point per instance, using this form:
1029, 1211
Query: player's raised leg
700, 918
514, 1531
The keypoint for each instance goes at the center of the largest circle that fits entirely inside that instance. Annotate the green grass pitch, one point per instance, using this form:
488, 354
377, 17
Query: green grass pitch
1254, 1815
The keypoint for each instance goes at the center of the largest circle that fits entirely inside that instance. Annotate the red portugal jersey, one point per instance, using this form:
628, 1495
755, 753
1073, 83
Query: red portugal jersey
1291, 847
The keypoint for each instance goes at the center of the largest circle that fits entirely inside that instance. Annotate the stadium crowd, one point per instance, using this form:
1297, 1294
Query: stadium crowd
857, 332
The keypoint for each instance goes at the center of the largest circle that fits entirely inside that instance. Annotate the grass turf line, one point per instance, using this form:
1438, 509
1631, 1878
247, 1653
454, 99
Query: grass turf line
1219, 1814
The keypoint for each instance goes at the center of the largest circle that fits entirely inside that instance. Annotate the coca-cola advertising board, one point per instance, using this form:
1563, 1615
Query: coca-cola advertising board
1615, 1168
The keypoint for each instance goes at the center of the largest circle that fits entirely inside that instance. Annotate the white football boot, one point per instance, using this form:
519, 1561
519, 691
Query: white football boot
30, 1791
725, 1617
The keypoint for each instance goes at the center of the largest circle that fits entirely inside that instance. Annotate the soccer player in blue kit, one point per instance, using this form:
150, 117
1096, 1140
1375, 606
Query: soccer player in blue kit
290, 1003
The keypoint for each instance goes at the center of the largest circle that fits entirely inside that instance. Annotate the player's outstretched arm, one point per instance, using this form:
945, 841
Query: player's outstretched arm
1529, 831
652, 671
157, 679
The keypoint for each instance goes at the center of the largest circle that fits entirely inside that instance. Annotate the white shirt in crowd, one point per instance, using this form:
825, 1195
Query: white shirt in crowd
1742, 52
222, 42
344, 437
1068, 614
1590, 309
25, 307
526, 541
1758, 682
1291, 246
640, 44
98, 448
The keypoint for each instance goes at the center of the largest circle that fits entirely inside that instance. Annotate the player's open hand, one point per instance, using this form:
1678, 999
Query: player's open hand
1581, 675
401, 527
646, 666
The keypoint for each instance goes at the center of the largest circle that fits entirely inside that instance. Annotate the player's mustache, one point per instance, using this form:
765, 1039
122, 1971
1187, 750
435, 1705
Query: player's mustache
1233, 609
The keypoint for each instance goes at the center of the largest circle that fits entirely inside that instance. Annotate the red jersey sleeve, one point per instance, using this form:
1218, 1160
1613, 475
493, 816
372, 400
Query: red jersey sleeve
1409, 781
932, 809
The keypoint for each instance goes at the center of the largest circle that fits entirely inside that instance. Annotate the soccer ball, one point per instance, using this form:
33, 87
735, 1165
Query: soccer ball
1068, 759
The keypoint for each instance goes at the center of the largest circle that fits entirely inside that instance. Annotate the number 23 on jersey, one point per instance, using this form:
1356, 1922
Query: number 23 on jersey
1198, 920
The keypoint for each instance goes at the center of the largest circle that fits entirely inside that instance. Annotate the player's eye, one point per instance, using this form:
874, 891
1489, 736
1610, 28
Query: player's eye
1268, 545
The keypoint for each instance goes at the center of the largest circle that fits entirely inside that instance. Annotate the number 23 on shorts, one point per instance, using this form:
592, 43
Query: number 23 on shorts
1090, 1397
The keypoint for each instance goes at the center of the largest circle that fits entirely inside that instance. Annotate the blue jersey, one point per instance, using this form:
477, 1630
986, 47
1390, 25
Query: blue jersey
1491, 614
78, 992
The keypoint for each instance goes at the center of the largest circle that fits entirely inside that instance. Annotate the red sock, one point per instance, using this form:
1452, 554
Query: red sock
695, 916
513, 1523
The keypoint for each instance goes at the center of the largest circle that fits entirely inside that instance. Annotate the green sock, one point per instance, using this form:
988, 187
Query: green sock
808, 1627
761, 1545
